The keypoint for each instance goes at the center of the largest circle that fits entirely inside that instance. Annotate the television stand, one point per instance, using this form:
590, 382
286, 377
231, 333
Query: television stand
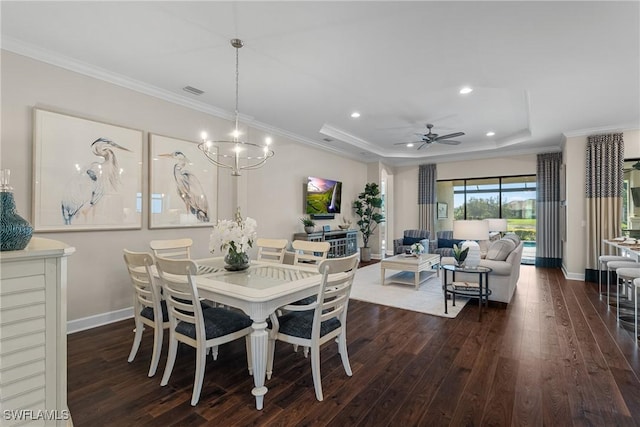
342, 242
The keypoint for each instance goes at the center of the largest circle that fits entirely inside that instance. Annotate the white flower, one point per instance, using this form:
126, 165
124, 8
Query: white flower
233, 235
417, 248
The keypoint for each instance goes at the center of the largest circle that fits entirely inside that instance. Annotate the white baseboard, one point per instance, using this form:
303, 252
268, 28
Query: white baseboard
572, 276
98, 320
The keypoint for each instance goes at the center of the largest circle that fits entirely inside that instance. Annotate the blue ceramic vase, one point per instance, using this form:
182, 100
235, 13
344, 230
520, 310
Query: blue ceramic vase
15, 231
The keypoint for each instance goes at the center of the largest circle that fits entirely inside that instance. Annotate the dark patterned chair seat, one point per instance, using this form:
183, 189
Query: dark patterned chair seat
217, 322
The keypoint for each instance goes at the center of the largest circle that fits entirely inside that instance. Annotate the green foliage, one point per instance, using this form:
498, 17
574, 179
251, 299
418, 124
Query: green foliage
367, 209
460, 254
307, 221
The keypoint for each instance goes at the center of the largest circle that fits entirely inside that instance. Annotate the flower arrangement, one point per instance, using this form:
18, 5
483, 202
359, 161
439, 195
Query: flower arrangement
233, 237
460, 254
417, 248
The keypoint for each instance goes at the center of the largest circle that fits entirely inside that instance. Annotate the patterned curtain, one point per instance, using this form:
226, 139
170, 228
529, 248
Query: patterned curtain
548, 235
427, 175
604, 180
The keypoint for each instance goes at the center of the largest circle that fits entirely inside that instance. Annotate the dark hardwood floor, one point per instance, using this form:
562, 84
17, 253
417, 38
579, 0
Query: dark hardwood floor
554, 356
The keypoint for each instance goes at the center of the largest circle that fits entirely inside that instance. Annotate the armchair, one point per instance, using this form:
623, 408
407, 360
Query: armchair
409, 238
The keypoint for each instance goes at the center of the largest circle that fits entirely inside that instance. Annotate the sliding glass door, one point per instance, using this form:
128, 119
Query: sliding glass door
512, 197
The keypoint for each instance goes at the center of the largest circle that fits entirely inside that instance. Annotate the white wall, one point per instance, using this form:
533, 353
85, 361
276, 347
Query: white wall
575, 157
97, 279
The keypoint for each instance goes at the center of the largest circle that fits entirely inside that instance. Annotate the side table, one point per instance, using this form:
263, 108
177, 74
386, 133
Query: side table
469, 289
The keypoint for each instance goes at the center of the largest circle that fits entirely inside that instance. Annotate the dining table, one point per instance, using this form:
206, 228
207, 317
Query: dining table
258, 291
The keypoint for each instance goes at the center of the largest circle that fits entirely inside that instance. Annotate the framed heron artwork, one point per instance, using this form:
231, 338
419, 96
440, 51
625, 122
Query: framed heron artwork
87, 174
182, 184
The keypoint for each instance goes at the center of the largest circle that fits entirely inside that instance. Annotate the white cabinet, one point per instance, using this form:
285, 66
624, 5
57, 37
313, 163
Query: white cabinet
33, 334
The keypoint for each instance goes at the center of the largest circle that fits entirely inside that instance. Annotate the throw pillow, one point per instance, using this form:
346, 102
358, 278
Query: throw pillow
500, 249
448, 243
408, 241
514, 237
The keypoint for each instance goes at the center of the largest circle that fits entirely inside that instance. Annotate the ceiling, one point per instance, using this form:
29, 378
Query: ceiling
538, 69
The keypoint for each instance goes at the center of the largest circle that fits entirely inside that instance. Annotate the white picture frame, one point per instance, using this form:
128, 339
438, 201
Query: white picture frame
195, 178
87, 174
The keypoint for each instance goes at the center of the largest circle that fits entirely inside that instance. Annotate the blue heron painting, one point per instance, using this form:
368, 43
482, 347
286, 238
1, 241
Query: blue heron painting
88, 186
189, 188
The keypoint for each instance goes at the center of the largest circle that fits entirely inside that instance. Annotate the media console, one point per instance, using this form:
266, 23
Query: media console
343, 242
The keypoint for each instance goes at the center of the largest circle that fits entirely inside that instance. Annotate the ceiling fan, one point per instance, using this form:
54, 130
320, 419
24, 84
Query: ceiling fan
635, 166
430, 137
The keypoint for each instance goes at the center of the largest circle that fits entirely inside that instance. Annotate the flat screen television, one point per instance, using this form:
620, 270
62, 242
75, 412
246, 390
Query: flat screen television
323, 196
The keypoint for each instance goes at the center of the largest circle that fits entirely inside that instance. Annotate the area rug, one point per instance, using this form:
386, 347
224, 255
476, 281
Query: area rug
427, 299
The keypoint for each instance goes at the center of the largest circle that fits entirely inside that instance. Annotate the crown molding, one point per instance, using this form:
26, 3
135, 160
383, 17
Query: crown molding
591, 131
43, 55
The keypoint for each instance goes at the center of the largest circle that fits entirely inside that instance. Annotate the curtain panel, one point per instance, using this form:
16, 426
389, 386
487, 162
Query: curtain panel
548, 228
427, 175
603, 190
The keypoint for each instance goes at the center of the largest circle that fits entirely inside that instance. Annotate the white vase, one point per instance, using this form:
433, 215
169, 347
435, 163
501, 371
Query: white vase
473, 256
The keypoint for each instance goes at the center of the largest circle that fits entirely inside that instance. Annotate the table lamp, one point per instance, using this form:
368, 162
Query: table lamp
497, 224
471, 231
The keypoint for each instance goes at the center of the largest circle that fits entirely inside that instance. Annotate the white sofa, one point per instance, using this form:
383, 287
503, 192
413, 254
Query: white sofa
504, 277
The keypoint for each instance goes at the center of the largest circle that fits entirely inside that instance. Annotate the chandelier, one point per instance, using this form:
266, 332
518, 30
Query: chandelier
235, 154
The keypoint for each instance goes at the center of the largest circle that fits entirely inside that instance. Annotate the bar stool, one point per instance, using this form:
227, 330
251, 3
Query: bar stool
604, 260
613, 266
626, 277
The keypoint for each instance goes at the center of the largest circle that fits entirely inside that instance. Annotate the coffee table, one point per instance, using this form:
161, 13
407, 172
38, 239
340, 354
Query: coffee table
413, 269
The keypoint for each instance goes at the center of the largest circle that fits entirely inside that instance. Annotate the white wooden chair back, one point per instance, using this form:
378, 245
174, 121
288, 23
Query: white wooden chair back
187, 318
172, 248
142, 280
306, 253
331, 302
180, 293
146, 296
271, 250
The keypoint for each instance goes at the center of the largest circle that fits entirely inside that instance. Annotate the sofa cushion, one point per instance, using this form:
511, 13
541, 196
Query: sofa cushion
500, 249
448, 243
408, 241
514, 237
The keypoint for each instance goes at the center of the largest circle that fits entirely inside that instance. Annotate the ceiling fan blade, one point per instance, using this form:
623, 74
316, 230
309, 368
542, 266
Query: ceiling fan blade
451, 135
447, 141
426, 143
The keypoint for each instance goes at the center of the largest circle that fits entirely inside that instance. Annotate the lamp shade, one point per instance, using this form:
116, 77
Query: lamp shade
475, 229
497, 224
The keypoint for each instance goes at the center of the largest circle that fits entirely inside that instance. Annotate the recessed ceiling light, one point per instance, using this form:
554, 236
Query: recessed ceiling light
355, 115
491, 133
465, 90
409, 145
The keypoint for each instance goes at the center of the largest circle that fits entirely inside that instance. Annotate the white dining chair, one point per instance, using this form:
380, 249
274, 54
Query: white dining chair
172, 248
148, 307
193, 325
322, 321
271, 250
309, 253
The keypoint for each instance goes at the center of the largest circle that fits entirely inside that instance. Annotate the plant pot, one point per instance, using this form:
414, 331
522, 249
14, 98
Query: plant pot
309, 229
365, 254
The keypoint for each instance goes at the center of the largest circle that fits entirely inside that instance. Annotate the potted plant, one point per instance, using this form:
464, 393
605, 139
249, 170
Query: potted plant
308, 223
460, 254
367, 208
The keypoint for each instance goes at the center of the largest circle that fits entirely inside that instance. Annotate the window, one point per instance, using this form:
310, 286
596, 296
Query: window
511, 197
